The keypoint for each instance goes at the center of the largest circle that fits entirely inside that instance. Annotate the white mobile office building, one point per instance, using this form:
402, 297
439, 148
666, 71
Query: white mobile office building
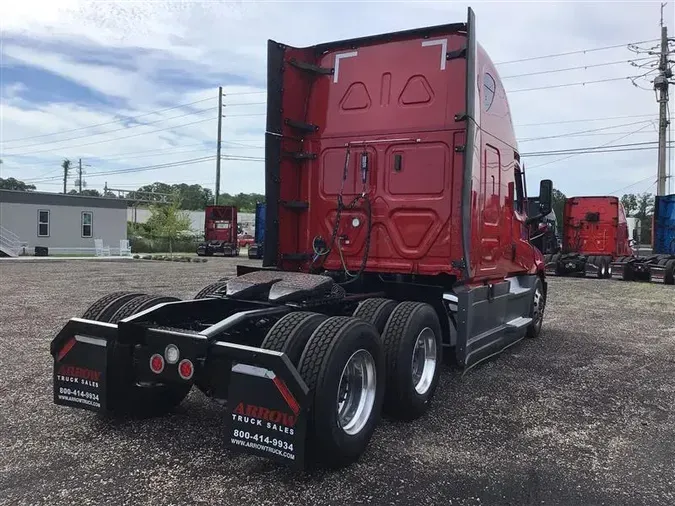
64, 224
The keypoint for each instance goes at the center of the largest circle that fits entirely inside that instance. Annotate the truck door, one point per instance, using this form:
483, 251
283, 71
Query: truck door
490, 242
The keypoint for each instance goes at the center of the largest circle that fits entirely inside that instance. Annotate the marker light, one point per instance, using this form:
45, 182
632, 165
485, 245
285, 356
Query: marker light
172, 354
156, 363
186, 369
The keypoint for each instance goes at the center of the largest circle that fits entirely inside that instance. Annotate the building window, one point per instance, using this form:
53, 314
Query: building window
86, 223
43, 223
489, 87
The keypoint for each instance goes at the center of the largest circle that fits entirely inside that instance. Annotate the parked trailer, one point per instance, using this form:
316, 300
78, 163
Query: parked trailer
595, 233
256, 249
220, 232
370, 271
659, 267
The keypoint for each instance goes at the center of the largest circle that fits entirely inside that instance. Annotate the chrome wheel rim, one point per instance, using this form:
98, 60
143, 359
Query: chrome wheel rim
538, 310
356, 392
424, 360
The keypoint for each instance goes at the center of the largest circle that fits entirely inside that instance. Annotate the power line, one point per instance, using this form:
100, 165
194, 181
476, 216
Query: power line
592, 151
579, 51
631, 185
130, 118
567, 134
116, 130
585, 120
114, 139
138, 169
580, 83
580, 67
601, 146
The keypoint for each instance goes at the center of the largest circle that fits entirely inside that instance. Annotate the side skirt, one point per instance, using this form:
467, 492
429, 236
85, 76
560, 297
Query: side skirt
491, 318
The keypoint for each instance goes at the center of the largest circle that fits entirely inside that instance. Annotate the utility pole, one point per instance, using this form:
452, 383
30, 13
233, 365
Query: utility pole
661, 89
79, 175
220, 128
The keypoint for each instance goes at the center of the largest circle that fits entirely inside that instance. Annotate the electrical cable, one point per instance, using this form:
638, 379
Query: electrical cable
580, 83
631, 185
580, 67
130, 118
134, 169
115, 139
579, 51
116, 130
587, 120
601, 146
589, 148
557, 136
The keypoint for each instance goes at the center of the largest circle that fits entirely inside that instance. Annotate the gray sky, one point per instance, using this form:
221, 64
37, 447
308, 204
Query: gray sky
68, 65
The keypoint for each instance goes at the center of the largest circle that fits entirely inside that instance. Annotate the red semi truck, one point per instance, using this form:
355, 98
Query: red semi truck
220, 232
397, 231
595, 233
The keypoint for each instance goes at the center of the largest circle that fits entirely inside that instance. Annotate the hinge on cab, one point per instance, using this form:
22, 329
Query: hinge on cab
310, 67
459, 264
457, 53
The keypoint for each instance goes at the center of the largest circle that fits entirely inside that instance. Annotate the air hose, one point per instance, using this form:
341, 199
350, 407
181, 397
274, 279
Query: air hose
318, 240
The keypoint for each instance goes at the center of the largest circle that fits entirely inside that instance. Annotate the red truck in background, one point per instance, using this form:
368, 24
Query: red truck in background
220, 232
595, 233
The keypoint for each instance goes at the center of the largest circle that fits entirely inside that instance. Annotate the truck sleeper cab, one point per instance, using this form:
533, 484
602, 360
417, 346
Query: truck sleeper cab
396, 232
595, 233
220, 232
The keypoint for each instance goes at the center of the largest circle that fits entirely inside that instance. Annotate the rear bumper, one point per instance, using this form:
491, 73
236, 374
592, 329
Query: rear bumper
266, 399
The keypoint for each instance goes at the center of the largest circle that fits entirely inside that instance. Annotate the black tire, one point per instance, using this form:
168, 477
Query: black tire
669, 278
601, 264
321, 366
375, 311
537, 307
210, 290
224, 280
138, 304
291, 333
101, 309
405, 324
608, 264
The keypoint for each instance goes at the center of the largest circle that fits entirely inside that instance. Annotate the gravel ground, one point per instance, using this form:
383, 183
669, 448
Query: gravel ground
582, 415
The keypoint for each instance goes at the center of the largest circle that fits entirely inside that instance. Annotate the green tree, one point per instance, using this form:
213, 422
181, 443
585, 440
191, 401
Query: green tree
558, 207
15, 184
86, 193
168, 221
66, 165
630, 203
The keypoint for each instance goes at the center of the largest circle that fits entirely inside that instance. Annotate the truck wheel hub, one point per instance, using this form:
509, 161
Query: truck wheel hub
356, 392
424, 360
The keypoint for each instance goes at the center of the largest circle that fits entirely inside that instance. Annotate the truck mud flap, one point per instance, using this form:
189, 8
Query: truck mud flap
80, 370
266, 407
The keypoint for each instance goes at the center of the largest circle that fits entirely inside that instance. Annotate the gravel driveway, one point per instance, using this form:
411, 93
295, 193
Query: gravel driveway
582, 415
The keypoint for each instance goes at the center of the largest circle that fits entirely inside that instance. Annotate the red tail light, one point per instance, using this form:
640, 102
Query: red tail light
186, 369
156, 363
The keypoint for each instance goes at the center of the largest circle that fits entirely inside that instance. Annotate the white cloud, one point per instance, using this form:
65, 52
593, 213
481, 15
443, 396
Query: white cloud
214, 40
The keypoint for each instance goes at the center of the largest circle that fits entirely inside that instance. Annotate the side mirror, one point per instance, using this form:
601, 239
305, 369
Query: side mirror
545, 196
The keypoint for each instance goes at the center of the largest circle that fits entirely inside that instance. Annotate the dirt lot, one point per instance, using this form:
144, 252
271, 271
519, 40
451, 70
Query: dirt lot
583, 415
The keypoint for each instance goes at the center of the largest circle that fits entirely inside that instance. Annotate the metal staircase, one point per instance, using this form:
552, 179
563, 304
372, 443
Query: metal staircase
10, 243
